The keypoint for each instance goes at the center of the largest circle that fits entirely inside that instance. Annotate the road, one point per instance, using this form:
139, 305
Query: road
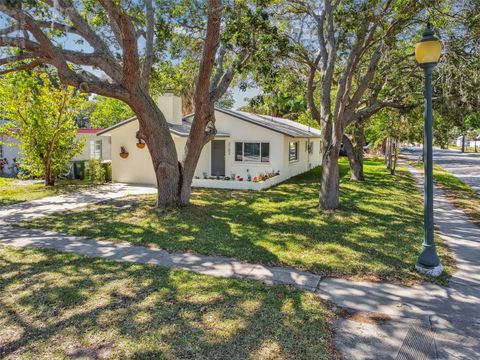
466, 167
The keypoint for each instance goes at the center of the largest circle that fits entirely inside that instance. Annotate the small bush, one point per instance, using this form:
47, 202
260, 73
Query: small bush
108, 171
95, 171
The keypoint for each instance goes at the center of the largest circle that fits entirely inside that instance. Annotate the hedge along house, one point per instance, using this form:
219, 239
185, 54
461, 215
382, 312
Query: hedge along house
246, 150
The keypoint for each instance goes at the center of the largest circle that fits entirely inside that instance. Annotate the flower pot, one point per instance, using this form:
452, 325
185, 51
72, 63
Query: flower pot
123, 155
140, 145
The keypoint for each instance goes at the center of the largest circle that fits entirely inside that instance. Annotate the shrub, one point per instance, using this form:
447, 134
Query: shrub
108, 171
95, 171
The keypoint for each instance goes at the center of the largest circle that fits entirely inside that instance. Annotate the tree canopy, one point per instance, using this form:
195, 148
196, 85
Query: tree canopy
107, 112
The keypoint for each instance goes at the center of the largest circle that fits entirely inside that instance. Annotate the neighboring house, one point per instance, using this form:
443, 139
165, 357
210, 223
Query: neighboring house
96, 147
470, 142
9, 151
246, 145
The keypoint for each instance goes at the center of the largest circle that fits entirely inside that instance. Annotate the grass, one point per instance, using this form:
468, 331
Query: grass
14, 191
60, 306
456, 191
459, 193
468, 149
376, 235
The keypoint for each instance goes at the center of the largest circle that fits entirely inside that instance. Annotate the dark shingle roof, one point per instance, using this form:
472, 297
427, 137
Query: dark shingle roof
184, 129
180, 130
280, 125
283, 126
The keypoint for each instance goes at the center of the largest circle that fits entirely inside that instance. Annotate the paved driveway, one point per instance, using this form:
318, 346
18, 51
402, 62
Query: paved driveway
30, 210
466, 167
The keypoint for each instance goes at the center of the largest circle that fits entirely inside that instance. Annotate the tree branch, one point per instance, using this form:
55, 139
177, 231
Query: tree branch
109, 65
149, 37
22, 67
131, 61
210, 47
228, 76
311, 86
15, 58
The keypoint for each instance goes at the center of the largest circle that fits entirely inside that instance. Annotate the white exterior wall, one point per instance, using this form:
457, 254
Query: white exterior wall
305, 160
85, 154
138, 168
10, 151
242, 131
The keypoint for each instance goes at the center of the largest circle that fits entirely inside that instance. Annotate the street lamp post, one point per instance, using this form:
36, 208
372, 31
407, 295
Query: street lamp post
427, 54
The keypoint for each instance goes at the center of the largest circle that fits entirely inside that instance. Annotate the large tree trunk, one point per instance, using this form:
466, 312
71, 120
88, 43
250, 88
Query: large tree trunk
207, 91
355, 152
156, 134
199, 136
330, 180
355, 158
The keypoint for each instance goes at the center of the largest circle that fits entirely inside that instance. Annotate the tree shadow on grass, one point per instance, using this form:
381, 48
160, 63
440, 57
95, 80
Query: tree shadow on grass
377, 230
140, 312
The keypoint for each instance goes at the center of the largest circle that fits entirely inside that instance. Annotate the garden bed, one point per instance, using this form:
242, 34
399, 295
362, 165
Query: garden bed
236, 184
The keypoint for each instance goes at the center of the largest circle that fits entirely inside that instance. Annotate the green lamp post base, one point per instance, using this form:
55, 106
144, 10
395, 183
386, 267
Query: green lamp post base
428, 262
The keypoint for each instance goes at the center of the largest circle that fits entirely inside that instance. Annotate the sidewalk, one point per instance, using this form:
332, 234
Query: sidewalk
445, 318
428, 321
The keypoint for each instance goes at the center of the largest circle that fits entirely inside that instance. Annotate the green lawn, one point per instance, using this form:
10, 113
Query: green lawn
459, 193
14, 191
376, 235
64, 306
470, 149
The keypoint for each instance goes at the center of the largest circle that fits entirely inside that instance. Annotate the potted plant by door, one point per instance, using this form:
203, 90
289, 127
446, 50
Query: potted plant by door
123, 152
140, 144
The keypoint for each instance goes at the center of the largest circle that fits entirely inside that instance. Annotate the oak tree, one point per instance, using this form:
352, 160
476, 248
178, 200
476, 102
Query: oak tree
109, 48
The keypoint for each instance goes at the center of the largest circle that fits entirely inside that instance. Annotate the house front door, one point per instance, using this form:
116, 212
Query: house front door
218, 157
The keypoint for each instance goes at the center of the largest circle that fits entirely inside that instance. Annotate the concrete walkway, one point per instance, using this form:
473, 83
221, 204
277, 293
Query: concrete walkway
42, 207
444, 319
427, 321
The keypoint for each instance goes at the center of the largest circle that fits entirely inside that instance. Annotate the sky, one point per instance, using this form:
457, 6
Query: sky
71, 42
239, 96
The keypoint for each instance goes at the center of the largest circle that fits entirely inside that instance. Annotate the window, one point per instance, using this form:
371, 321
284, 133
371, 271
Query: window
265, 152
252, 152
96, 149
238, 151
293, 151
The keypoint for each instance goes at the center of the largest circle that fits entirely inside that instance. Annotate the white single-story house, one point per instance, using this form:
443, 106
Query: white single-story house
246, 150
